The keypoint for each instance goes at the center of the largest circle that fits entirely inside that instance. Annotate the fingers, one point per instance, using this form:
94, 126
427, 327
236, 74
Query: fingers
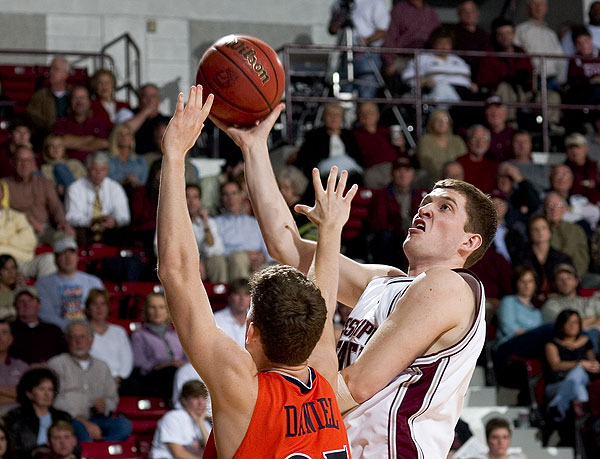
302, 209
351, 193
341, 186
332, 179
180, 104
318, 186
208, 105
270, 120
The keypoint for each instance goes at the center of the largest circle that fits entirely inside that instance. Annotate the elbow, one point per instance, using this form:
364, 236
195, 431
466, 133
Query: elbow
357, 386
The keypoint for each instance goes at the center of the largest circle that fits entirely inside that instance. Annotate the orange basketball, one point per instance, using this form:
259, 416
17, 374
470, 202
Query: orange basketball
246, 77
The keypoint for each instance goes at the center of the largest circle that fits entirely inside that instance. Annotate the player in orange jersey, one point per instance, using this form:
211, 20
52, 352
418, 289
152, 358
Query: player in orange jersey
267, 399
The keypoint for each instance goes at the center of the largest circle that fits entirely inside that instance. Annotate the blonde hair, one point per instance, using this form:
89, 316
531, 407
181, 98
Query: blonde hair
433, 116
46, 148
113, 149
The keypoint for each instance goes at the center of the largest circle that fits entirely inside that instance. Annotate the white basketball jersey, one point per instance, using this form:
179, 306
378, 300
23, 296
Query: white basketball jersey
414, 416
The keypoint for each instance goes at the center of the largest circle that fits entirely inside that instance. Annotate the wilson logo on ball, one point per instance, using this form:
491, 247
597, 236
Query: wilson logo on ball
249, 54
225, 78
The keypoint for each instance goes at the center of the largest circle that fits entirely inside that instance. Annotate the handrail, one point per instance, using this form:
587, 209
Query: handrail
293, 48
101, 56
129, 43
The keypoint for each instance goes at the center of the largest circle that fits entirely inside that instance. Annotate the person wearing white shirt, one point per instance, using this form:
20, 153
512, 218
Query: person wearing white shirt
370, 20
183, 433
232, 319
96, 203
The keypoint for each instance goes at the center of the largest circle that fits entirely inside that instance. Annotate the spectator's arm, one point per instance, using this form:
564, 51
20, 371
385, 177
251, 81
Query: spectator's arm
121, 206
85, 142
55, 207
110, 394
50, 308
508, 320
553, 359
180, 451
77, 211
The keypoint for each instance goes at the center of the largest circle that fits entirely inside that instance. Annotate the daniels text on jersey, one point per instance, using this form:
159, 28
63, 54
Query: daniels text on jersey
310, 417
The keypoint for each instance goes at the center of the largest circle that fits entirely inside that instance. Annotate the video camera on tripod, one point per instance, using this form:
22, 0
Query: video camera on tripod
344, 13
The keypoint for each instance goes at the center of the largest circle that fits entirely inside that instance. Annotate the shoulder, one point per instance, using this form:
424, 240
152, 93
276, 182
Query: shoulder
117, 331
100, 366
58, 360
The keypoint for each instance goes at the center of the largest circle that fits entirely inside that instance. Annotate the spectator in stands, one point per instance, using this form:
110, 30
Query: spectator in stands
509, 78
19, 133
453, 170
570, 356
184, 374
377, 147
145, 119
244, 246
10, 281
536, 37
104, 105
34, 341
537, 174
126, 167
593, 26
411, 24
370, 20
438, 145
586, 178
183, 433
111, 343
82, 133
11, 369
292, 185
28, 424
330, 144
232, 319
523, 199
468, 36
580, 209
541, 256
35, 196
6, 444
51, 103
479, 170
443, 76
208, 239
144, 203
157, 352
61, 170
87, 390
391, 212
567, 237
516, 313
17, 239
500, 133
498, 435
566, 282
97, 205
64, 293
593, 138
62, 442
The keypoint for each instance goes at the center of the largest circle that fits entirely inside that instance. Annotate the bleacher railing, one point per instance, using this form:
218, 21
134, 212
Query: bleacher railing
416, 98
98, 60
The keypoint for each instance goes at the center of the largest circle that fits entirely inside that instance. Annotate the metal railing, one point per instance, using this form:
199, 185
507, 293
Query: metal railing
417, 98
99, 60
132, 77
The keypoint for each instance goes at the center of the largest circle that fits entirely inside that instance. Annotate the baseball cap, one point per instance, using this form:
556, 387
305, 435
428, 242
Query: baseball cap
65, 244
575, 139
403, 161
494, 100
565, 267
31, 291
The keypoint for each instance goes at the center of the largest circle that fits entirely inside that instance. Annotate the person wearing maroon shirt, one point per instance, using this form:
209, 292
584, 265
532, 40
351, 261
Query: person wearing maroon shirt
82, 133
375, 145
468, 36
586, 179
411, 24
479, 170
500, 133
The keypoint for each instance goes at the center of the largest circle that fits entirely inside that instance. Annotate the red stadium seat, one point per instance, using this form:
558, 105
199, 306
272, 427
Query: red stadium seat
152, 408
358, 214
110, 450
217, 295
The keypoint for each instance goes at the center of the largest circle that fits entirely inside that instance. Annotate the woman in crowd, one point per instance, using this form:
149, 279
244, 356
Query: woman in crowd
570, 356
516, 313
292, 185
104, 105
182, 433
58, 167
28, 423
10, 282
6, 446
439, 145
127, 168
111, 343
157, 351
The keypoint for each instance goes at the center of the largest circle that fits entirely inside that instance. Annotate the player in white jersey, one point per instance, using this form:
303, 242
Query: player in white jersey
412, 350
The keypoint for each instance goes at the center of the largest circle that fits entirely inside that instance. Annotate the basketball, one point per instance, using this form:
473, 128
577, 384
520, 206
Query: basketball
246, 77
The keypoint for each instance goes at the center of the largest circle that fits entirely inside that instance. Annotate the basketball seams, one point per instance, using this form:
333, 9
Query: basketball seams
247, 77
259, 46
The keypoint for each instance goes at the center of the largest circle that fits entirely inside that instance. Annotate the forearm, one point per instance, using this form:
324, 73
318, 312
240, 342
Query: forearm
136, 122
378, 35
85, 142
180, 452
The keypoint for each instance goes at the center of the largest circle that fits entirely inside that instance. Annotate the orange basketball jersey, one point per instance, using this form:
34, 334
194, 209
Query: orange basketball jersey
292, 420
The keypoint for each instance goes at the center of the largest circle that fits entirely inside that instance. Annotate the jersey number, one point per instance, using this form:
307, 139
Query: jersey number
336, 454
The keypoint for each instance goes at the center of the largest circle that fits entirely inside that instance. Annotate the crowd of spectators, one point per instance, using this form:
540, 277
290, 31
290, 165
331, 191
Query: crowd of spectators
82, 169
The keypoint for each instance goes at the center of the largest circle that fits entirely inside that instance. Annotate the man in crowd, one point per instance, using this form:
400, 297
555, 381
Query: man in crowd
479, 170
232, 319
64, 293
34, 341
500, 133
594, 27
49, 104
468, 36
537, 174
87, 389
97, 205
146, 118
244, 246
586, 178
36, 197
19, 133
81, 132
